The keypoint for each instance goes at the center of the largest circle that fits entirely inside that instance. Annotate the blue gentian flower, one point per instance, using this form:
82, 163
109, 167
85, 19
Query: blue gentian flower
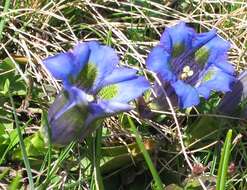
94, 88
191, 64
238, 95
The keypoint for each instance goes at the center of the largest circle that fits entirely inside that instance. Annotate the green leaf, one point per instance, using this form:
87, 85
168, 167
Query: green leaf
5, 172
6, 87
13, 138
35, 147
204, 128
10, 80
15, 184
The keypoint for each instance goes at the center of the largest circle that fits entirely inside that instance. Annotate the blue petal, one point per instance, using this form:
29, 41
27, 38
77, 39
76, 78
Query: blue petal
214, 79
224, 65
81, 54
105, 59
204, 91
60, 102
232, 99
104, 108
68, 125
127, 90
66, 118
120, 74
187, 95
177, 39
62, 66
67, 99
79, 96
93, 44
203, 38
217, 49
158, 61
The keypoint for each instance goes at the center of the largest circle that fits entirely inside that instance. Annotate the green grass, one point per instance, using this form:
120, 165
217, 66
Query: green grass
127, 151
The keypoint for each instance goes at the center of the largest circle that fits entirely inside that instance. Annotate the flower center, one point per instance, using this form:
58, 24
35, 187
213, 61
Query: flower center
186, 72
87, 76
90, 98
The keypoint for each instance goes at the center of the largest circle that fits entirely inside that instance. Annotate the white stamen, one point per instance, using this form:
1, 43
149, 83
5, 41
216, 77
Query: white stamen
190, 73
186, 69
187, 72
90, 98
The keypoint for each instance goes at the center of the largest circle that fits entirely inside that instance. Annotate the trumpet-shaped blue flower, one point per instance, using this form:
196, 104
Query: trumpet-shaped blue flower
94, 88
191, 64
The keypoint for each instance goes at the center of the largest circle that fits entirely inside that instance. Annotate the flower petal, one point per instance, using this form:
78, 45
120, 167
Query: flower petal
124, 91
93, 44
177, 39
60, 102
62, 66
99, 110
214, 79
102, 61
66, 100
158, 61
203, 38
119, 75
79, 96
215, 49
105, 108
224, 65
81, 54
105, 60
66, 117
187, 95
66, 127
232, 99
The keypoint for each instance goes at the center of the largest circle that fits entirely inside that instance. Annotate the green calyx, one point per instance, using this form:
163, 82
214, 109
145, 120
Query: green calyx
201, 55
87, 76
178, 49
108, 92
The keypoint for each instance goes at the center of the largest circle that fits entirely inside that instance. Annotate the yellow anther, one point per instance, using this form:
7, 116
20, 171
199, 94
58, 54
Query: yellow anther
183, 76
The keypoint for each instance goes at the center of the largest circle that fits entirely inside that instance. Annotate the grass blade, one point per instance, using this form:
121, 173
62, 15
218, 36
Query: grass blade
224, 160
97, 155
2, 23
22, 145
157, 180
